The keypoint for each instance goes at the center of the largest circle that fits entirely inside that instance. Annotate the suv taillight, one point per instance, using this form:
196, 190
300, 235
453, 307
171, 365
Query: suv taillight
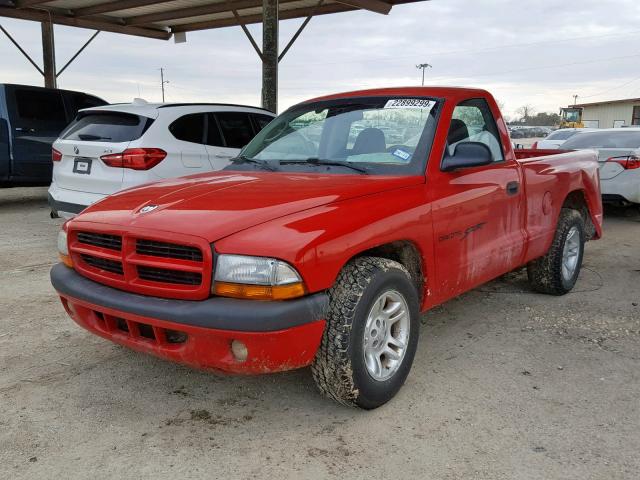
135, 158
630, 162
56, 156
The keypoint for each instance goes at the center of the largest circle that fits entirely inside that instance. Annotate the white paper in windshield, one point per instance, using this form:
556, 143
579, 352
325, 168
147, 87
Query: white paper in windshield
416, 103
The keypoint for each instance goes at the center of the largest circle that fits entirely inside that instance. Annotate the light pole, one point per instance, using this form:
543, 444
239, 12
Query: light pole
423, 67
162, 82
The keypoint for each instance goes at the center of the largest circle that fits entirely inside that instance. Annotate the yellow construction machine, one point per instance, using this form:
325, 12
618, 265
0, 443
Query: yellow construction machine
571, 117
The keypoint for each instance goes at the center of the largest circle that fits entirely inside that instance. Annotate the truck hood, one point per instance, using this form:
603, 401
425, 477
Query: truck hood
215, 205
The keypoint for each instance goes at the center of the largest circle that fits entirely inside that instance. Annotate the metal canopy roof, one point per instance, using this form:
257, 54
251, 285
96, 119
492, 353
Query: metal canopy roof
160, 19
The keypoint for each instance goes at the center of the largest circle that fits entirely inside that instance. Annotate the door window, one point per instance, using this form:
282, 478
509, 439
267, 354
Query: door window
472, 121
189, 128
261, 121
236, 128
214, 137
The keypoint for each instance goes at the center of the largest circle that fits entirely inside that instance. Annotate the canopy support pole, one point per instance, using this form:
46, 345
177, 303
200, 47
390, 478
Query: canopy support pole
270, 55
48, 55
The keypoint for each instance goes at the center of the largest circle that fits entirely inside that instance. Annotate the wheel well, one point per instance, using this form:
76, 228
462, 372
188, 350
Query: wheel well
405, 253
577, 200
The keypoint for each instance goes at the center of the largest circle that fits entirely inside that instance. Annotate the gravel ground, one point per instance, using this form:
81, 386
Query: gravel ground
506, 384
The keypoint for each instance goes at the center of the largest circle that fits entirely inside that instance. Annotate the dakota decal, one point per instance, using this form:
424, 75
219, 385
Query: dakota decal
462, 234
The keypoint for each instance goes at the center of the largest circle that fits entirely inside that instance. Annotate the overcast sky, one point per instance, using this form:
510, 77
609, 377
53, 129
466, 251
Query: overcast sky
538, 52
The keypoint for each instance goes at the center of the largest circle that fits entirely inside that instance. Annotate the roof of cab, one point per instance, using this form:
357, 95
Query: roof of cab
427, 91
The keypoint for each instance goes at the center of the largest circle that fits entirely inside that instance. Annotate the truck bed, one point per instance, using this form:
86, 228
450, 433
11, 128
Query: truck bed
524, 153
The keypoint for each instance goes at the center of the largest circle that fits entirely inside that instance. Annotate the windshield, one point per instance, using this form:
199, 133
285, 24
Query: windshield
379, 135
572, 115
617, 139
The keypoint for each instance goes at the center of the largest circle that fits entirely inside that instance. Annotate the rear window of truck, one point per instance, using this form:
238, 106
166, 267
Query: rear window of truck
40, 107
106, 127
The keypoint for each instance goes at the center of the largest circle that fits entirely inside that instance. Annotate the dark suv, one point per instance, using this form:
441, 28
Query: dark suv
31, 118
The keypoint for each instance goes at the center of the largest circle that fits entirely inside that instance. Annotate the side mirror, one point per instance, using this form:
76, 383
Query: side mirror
467, 154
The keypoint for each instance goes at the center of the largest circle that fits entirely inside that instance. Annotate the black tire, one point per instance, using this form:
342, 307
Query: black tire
545, 273
339, 368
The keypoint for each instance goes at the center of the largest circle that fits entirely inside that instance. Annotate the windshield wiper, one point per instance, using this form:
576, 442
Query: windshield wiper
260, 163
325, 161
89, 136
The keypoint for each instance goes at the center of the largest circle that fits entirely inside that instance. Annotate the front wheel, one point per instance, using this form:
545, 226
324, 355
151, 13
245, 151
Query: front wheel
557, 272
371, 335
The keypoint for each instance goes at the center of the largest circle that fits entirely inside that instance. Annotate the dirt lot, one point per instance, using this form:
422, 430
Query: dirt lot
506, 385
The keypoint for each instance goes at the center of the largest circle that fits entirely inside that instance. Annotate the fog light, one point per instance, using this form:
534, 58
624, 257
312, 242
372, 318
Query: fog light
239, 350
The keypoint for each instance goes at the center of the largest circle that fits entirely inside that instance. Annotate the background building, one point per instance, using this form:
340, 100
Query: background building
614, 113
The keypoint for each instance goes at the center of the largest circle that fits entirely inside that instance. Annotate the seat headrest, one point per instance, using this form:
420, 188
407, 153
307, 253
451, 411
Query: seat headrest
370, 140
458, 131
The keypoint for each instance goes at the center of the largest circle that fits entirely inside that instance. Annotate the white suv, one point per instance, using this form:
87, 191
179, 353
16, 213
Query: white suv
110, 148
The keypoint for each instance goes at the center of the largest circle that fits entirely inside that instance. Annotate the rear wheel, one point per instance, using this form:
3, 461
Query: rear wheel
557, 272
371, 335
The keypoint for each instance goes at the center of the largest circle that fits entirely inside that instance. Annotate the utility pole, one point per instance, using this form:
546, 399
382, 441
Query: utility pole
575, 99
423, 67
162, 82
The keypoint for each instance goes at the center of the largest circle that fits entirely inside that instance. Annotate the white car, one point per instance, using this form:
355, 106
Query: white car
555, 139
107, 149
619, 158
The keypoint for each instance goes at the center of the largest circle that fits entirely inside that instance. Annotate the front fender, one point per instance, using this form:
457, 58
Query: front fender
321, 240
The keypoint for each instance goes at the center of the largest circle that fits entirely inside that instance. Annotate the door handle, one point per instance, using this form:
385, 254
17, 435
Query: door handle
512, 188
223, 155
22, 129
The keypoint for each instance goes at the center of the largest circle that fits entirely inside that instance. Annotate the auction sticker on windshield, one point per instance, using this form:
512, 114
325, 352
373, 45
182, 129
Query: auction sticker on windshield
418, 103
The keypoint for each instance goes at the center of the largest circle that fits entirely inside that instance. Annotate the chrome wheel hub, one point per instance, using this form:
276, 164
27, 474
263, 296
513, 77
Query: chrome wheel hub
570, 253
386, 335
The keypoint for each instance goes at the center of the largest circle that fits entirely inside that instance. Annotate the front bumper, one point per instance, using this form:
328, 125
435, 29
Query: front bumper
278, 335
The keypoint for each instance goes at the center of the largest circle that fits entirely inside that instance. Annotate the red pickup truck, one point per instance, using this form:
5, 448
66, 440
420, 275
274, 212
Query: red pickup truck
343, 219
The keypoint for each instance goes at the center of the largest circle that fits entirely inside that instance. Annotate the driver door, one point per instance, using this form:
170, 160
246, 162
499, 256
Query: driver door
477, 211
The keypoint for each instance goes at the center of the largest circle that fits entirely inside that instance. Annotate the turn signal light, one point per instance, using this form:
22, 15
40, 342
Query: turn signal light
630, 162
66, 259
259, 292
135, 158
56, 156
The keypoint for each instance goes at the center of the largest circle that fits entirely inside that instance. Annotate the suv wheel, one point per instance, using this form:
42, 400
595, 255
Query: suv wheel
371, 335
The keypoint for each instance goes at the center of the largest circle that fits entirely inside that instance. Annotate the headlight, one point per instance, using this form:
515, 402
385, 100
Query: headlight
259, 278
63, 249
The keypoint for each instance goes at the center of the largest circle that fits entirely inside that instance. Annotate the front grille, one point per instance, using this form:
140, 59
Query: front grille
168, 250
105, 264
112, 242
178, 269
164, 275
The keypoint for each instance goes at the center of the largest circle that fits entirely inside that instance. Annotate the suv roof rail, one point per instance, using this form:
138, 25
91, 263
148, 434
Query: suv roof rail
216, 104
